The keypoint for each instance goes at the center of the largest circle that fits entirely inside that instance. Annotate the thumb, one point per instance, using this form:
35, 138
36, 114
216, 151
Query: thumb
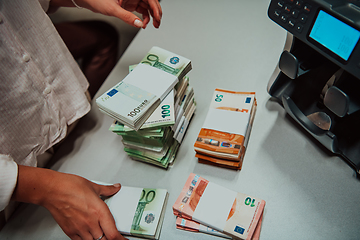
108, 190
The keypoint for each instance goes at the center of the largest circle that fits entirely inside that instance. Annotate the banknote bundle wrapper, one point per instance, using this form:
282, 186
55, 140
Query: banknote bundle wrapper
139, 211
159, 138
223, 138
135, 98
202, 204
192, 226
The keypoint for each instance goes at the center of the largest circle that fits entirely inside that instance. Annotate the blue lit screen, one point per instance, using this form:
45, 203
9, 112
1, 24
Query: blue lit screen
335, 35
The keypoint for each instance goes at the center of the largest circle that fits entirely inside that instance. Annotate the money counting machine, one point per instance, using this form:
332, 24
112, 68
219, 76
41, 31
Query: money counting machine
317, 79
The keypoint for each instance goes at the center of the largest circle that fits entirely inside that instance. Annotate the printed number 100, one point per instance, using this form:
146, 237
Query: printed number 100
165, 111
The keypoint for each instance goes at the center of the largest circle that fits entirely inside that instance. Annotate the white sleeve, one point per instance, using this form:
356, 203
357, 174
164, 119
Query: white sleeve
8, 179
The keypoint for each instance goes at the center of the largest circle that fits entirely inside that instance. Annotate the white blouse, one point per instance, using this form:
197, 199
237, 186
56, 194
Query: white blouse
41, 88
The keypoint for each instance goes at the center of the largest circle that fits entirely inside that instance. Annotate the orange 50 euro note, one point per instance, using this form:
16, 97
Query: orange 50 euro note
225, 132
233, 213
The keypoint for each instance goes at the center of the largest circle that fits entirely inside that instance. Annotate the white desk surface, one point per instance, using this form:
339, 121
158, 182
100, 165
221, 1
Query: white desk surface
310, 194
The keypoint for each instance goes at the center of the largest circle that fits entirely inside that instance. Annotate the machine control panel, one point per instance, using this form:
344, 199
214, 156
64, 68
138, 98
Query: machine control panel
331, 29
293, 15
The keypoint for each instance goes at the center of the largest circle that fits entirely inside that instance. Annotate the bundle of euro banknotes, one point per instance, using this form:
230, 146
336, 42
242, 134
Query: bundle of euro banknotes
236, 215
133, 99
138, 211
224, 136
157, 141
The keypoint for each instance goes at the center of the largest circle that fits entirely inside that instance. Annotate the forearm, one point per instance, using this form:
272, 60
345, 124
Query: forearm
33, 184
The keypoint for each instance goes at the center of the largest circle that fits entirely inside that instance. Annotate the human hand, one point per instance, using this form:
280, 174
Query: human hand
121, 9
143, 7
73, 201
81, 213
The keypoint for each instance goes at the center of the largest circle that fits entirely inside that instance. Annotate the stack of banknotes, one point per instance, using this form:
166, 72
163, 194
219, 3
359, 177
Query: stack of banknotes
224, 136
142, 90
236, 215
157, 141
139, 211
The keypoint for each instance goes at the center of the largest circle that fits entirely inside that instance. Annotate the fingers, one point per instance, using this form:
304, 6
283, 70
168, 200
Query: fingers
82, 236
105, 238
156, 12
152, 6
107, 223
145, 14
84, 229
96, 231
104, 226
117, 8
144, 7
75, 237
128, 17
100, 225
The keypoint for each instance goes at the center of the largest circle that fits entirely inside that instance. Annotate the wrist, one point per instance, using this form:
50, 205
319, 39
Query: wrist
33, 184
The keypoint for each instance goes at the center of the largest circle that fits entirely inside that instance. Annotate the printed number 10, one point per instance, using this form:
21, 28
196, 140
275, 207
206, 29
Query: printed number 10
249, 201
165, 111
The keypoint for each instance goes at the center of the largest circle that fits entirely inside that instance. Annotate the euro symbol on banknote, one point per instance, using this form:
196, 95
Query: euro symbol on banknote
147, 196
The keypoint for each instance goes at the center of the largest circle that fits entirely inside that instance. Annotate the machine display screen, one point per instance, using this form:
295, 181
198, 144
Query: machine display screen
334, 35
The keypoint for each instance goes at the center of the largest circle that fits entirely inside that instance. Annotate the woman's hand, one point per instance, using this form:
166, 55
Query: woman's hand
144, 7
73, 201
121, 9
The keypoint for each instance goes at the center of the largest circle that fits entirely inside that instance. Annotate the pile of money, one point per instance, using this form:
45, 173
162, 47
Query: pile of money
158, 140
236, 215
223, 138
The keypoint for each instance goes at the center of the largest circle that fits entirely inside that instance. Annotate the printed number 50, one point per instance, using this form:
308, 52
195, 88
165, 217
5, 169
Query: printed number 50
218, 98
